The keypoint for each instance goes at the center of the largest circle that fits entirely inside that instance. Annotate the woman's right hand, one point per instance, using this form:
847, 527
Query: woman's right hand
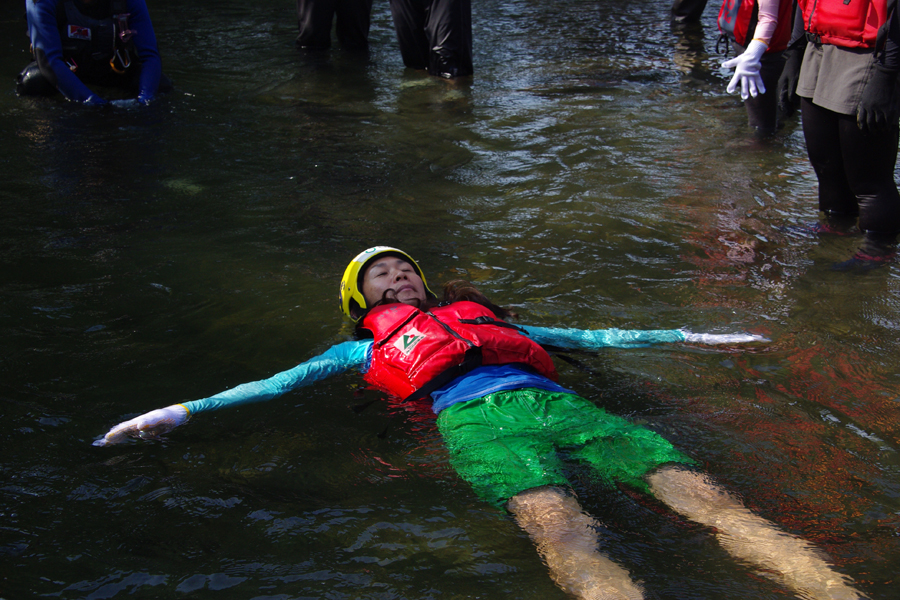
149, 425
746, 71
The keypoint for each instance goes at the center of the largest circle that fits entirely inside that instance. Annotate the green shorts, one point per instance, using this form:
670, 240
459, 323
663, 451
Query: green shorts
512, 441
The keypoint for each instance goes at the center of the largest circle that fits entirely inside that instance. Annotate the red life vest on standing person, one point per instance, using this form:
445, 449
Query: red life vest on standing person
738, 18
851, 24
417, 352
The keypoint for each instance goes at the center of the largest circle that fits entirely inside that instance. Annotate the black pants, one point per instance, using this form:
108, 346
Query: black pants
435, 35
314, 18
687, 11
855, 170
762, 111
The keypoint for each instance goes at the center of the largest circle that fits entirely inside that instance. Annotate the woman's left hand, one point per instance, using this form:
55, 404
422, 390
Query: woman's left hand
149, 425
722, 338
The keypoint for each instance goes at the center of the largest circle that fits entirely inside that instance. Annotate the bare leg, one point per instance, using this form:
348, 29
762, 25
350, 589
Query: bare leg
567, 540
776, 554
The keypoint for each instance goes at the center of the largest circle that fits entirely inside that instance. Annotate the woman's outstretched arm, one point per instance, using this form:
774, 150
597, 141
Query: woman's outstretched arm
336, 360
591, 339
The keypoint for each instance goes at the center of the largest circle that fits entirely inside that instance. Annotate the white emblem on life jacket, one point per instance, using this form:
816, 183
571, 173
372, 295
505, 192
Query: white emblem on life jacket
77, 32
408, 340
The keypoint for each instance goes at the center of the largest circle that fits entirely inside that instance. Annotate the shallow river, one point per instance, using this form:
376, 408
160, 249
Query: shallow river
593, 173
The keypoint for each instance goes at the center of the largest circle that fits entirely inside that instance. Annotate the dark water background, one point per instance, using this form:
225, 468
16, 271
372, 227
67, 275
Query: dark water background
593, 173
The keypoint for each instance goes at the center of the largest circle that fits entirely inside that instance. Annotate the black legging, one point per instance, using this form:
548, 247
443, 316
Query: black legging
314, 19
435, 35
688, 11
762, 111
855, 169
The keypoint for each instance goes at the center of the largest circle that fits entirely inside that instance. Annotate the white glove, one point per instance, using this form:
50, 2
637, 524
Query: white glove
722, 338
746, 71
149, 425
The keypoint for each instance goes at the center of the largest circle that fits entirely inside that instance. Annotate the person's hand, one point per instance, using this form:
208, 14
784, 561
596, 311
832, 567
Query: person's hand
877, 111
149, 425
94, 100
787, 82
722, 338
746, 71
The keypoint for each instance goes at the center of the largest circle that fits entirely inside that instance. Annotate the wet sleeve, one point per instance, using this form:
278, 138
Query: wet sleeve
336, 360
590, 339
44, 34
147, 50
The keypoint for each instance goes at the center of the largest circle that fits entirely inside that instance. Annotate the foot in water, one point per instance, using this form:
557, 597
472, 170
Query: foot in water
862, 261
876, 251
818, 228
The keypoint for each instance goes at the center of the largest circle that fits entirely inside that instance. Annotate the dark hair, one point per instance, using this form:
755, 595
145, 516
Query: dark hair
457, 290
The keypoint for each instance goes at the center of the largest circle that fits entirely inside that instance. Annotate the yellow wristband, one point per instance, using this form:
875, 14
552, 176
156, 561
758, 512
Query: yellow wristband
763, 41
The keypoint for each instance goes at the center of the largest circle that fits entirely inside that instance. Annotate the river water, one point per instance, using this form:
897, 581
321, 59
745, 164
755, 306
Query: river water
593, 173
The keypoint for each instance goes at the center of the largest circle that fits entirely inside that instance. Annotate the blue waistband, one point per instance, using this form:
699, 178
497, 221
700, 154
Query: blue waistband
488, 380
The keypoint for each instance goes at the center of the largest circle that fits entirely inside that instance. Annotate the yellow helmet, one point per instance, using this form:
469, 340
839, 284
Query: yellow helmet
353, 303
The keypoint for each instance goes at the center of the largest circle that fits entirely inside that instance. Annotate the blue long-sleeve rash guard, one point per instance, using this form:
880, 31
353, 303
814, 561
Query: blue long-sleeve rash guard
357, 355
44, 34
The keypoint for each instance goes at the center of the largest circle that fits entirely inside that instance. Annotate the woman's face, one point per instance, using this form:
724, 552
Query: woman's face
396, 277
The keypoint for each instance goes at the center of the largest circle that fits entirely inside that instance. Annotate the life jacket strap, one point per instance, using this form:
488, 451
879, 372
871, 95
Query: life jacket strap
471, 360
123, 36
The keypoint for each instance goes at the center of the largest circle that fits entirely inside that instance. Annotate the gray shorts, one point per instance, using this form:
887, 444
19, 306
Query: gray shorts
834, 77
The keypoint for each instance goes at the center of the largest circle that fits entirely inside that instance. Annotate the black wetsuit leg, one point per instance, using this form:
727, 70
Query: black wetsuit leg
762, 111
314, 18
823, 146
869, 160
409, 21
435, 35
855, 169
353, 20
449, 32
687, 11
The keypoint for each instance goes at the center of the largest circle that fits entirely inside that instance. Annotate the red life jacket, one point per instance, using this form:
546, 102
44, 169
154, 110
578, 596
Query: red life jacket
738, 19
415, 352
852, 24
